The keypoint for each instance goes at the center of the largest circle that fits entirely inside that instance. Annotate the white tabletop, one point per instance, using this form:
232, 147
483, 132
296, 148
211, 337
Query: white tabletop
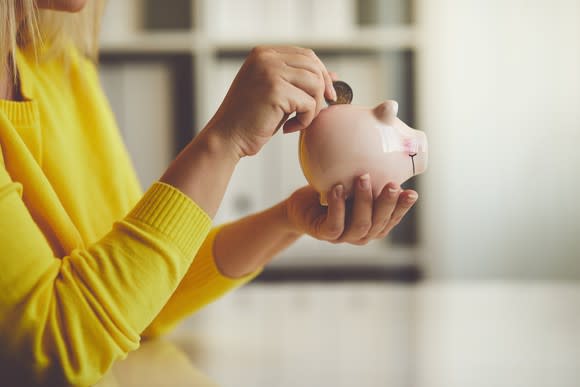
428, 335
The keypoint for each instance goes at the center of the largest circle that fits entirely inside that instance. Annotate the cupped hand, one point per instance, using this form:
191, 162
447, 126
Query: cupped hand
357, 220
273, 83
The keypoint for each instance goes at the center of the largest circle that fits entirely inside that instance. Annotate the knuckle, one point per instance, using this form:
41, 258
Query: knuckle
362, 227
260, 51
308, 110
319, 77
270, 71
310, 52
255, 50
396, 219
275, 85
265, 62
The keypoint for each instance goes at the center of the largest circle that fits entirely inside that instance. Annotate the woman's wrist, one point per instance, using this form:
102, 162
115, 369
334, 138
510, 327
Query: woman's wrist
250, 243
217, 140
285, 223
203, 169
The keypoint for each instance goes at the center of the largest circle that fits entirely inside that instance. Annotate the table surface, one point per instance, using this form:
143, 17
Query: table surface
370, 334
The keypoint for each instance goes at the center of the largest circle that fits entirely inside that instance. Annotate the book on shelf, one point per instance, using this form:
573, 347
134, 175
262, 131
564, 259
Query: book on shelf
141, 98
382, 13
279, 19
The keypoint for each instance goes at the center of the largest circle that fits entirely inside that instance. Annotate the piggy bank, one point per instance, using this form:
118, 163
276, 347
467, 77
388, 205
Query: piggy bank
347, 141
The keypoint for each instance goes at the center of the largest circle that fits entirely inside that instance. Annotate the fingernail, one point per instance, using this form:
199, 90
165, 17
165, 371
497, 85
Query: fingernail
364, 181
339, 191
393, 189
333, 92
412, 197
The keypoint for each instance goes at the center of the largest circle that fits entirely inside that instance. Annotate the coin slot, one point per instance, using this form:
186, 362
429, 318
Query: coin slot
412, 156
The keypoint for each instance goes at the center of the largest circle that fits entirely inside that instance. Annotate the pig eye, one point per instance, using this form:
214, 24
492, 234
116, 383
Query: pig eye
412, 156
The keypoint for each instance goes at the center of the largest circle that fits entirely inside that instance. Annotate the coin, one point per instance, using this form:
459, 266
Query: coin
343, 93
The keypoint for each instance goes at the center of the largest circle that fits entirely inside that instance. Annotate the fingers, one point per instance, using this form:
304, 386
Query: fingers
333, 225
329, 92
294, 125
306, 63
307, 75
294, 99
304, 106
361, 220
405, 201
302, 69
365, 218
309, 82
374, 218
383, 209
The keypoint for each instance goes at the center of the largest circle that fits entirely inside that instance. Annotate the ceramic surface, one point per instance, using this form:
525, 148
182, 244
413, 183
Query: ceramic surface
347, 141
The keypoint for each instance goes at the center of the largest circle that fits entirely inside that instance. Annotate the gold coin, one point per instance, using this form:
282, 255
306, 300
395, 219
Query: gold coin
343, 93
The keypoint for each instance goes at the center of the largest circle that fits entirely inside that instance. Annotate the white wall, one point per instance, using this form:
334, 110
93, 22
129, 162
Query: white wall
499, 94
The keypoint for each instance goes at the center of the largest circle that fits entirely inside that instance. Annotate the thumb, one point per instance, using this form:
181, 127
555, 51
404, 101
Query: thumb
292, 125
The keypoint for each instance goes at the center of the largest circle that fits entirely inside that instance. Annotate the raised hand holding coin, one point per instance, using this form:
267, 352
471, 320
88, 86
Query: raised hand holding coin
343, 97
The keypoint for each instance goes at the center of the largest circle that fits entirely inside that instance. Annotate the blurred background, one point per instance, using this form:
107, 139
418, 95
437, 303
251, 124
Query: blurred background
480, 285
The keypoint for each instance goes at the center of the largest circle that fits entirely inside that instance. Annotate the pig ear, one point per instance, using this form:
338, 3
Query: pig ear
386, 110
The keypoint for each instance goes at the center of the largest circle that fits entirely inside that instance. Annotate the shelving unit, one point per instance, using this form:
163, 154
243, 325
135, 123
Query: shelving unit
362, 40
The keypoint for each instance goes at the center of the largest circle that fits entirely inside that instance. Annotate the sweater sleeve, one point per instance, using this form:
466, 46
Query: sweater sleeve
202, 284
65, 320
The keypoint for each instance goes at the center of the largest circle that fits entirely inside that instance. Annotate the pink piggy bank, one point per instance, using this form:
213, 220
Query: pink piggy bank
347, 141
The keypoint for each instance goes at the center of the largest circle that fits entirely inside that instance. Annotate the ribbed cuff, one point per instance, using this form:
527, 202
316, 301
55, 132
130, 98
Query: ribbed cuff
174, 215
21, 113
202, 284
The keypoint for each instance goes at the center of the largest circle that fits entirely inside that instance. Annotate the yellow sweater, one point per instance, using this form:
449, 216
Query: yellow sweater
88, 264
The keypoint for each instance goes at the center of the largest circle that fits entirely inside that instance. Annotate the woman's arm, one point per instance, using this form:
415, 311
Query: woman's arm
235, 253
203, 169
232, 255
64, 319
250, 243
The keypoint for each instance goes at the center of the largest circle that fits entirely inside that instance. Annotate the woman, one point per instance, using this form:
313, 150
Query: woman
89, 263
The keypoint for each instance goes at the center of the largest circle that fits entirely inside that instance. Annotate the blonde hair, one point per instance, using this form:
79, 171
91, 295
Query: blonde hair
48, 33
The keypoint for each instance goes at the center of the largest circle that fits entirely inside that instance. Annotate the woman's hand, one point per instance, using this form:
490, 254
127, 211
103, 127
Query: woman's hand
356, 221
273, 83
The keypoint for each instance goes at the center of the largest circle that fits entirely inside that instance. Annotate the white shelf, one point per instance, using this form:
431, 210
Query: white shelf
393, 38
143, 43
